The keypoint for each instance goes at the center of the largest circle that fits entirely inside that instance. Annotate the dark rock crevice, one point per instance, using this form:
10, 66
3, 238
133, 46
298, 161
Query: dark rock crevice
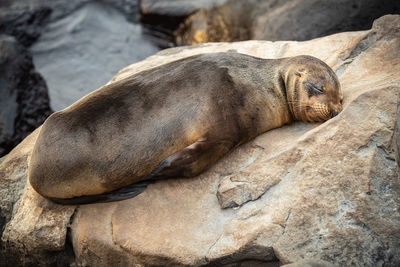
67, 256
251, 252
160, 28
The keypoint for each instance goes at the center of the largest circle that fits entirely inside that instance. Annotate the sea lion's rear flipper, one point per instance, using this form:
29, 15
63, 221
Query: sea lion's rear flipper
116, 195
193, 159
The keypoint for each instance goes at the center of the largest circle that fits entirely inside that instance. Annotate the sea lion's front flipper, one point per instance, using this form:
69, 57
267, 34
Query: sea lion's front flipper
193, 159
126, 192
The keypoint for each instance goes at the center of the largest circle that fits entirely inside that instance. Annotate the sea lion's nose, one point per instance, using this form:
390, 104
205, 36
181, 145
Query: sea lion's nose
334, 113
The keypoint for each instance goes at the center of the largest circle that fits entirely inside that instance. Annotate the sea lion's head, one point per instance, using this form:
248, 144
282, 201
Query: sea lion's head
313, 89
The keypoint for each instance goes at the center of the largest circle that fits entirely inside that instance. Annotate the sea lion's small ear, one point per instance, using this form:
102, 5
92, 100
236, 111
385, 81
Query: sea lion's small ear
298, 73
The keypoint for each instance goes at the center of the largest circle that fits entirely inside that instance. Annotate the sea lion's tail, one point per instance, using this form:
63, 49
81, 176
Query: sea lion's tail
116, 195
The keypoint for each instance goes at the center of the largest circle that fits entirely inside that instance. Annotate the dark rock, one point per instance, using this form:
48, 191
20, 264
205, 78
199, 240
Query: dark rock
281, 20
314, 18
25, 27
24, 99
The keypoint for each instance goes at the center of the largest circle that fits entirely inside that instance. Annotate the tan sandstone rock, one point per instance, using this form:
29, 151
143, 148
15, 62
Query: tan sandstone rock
36, 228
328, 192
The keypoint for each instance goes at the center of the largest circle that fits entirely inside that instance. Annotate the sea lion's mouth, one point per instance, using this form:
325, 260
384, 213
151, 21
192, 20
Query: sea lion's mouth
319, 113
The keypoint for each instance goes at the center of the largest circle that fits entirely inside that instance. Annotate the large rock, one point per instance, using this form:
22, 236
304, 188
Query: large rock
327, 193
24, 100
281, 19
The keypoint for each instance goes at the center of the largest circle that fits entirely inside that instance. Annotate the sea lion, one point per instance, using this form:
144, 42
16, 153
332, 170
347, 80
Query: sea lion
175, 120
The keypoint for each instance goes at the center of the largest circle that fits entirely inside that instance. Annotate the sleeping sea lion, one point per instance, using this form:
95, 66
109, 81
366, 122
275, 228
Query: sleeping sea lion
175, 120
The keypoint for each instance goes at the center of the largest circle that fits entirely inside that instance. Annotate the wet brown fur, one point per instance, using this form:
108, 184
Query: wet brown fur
174, 120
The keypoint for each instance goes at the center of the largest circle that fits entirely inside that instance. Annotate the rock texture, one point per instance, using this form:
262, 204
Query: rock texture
24, 100
281, 19
308, 193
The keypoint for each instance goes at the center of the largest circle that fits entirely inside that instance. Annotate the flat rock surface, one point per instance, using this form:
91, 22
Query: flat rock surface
326, 192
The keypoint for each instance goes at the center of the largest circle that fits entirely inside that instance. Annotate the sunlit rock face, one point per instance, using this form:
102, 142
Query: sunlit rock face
281, 20
324, 192
24, 102
82, 51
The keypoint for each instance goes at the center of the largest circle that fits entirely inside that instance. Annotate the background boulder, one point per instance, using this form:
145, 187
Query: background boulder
327, 192
281, 19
